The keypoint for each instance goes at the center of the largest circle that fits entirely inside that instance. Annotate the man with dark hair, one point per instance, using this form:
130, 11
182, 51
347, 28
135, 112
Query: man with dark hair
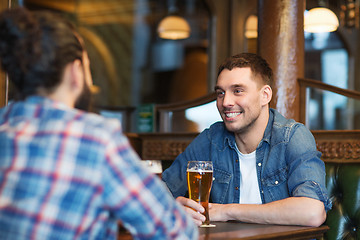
67, 173
266, 167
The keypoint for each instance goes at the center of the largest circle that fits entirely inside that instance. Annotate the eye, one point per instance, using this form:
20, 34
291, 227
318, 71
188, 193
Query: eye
237, 91
219, 93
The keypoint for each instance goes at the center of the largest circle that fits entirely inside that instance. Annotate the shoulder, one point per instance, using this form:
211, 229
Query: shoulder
98, 121
95, 123
90, 127
283, 129
216, 135
279, 121
216, 130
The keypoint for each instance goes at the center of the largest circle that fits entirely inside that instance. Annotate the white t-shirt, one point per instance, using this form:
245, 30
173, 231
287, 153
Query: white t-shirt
249, 185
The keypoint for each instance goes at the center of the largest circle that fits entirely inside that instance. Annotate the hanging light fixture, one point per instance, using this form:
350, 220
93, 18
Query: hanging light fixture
251, 27
173, 27
320, 19
349, 14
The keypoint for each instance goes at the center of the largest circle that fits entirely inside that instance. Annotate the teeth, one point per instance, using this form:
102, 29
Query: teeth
233, 114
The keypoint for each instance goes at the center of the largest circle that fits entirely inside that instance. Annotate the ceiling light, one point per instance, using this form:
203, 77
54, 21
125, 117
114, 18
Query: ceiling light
320, 19
173, 27
251, 27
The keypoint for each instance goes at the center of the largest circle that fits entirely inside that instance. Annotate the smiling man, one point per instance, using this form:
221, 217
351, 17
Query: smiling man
266, 167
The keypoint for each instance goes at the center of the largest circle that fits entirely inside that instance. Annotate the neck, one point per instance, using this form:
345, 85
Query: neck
59, 95
248, 141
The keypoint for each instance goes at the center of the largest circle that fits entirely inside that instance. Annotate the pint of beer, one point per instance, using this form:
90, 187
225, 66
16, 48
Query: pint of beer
199, 179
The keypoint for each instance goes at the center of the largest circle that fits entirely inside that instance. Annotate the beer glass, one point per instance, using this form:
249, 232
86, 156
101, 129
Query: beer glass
199, 179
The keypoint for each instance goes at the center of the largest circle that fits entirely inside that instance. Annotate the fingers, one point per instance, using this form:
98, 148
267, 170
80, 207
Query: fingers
191, 203
193, 208
197, 217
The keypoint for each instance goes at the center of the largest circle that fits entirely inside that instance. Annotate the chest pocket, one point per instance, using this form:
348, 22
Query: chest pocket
220, 187
275, 184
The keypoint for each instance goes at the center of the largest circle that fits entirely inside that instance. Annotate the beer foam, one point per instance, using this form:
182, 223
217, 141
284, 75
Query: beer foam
193, 170
207, 226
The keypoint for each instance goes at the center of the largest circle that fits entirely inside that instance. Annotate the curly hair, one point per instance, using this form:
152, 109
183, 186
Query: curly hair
257, 64
35, 47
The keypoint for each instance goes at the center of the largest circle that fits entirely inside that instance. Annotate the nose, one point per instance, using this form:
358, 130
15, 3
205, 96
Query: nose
227, 100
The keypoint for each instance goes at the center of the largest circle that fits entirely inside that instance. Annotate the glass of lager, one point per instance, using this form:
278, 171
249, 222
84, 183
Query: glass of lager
199, 179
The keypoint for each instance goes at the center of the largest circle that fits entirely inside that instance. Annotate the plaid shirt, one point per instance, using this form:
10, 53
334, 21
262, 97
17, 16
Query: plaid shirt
66, 174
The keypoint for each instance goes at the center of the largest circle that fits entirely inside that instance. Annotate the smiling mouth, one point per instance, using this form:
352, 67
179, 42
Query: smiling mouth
231, 115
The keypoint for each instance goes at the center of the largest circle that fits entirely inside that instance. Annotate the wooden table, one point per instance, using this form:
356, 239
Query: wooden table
238, 230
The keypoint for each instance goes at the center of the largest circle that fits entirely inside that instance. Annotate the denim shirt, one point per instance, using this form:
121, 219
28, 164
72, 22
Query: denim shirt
288, 163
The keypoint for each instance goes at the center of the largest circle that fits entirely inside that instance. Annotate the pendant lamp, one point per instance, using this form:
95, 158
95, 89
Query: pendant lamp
173, 26
251, 27
320, 19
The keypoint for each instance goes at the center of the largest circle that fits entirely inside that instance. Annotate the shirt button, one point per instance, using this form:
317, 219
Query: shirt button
259, 164
276, 182
236, 188
237, 160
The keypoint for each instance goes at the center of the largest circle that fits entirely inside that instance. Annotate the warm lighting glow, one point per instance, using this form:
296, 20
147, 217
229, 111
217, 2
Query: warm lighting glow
320, 20
173, 27
251, 27
94, 89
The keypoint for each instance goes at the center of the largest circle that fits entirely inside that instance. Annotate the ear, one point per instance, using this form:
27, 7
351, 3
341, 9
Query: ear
71, 84
266, 94
76, 75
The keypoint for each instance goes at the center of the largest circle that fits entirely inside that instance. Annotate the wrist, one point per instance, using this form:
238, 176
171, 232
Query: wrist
229, 211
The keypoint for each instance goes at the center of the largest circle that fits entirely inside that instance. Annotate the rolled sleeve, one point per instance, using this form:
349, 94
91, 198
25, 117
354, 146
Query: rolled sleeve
313, 190
306, 169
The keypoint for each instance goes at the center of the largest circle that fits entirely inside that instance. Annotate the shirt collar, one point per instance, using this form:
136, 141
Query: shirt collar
36, 99
230, 137
268, 129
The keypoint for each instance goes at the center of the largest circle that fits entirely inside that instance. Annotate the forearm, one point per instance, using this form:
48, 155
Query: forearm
291, 211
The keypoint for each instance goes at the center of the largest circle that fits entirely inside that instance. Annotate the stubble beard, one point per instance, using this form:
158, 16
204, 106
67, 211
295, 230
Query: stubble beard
84, 101
241, 126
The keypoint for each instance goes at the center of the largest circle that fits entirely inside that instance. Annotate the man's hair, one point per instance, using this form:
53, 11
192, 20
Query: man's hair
35, 47
258, 66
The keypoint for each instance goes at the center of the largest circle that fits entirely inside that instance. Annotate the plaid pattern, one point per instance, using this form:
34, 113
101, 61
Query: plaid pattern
66, 174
